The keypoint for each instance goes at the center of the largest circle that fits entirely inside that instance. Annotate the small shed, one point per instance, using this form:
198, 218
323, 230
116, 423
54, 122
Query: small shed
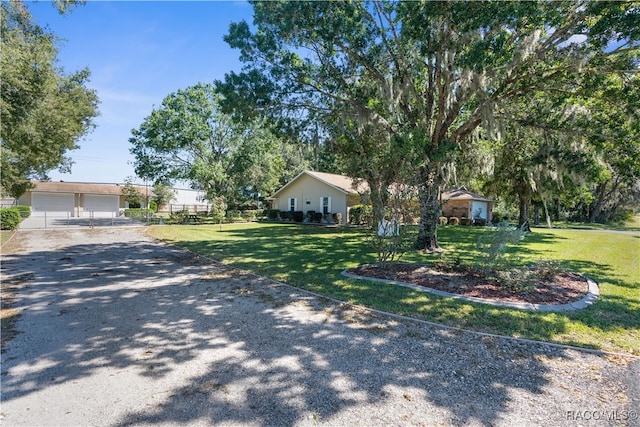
464, 204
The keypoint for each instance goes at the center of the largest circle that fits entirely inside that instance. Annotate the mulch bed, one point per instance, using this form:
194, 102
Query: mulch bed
566, 287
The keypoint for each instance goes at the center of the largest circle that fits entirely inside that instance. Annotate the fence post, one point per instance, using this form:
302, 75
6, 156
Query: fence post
45, 219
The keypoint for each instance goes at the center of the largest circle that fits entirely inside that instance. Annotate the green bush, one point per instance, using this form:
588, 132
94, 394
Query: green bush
234, 215
361, 215
138, 213
9, 218
298, 216
178, 217
251, 215
25, 211
286, 215
272, 214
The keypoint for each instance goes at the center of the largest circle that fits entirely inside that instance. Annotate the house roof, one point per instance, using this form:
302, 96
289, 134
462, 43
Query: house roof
463, 194
82, 187
342, 183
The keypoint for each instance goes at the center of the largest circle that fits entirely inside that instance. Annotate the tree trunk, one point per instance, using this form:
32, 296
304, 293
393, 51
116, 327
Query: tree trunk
428, 197
523, 216
594, 210
603, 195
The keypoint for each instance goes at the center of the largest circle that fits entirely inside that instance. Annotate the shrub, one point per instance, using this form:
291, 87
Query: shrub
481, 222
297, 216
310, 215
546, 270
250, 215
317, 217
234, 215
179, 216
272, 214
465, 221
337, 218
454, 220
9, 218
361, 215
286, 215
24, 211
515, 280
443, 220
138, 213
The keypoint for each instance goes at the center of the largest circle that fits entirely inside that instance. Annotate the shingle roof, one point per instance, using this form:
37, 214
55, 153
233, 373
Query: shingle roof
82, 187
341, 182
464, 194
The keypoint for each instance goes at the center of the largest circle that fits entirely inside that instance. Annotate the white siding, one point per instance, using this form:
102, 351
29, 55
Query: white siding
309, 193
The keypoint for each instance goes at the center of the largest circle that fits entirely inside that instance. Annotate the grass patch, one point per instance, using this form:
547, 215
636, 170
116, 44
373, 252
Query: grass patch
5, 235
631, 225
313, 257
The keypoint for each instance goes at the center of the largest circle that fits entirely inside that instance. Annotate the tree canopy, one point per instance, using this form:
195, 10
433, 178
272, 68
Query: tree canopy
424, 75
44, 111
189, 138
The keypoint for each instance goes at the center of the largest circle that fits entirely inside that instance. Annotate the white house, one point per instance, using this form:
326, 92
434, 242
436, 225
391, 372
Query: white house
319, 192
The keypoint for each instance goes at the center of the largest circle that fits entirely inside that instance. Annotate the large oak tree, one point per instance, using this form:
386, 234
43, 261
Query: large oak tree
425, 74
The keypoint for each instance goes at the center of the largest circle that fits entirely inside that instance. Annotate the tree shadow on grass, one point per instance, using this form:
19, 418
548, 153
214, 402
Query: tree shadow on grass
191, 341
312, 258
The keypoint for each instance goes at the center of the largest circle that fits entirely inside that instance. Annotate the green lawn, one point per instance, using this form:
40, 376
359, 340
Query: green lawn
313, 257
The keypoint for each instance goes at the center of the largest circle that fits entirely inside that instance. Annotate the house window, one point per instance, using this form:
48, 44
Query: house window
325, 205
293, 205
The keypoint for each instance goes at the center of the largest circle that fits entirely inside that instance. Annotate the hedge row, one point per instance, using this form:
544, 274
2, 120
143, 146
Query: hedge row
139, 213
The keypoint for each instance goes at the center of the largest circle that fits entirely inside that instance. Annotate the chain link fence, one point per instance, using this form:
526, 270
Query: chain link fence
44, 220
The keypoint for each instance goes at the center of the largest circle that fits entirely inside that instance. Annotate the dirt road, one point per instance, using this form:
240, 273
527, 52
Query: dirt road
116, 329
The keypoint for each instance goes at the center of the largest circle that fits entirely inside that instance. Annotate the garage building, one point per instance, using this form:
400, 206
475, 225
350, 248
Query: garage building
76, 199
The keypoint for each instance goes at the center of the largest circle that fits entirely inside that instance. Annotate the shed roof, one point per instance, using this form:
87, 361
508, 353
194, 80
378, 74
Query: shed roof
82, 187
462, 193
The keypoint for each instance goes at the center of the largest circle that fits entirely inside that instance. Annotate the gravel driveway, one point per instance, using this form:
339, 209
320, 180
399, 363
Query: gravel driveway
117, 329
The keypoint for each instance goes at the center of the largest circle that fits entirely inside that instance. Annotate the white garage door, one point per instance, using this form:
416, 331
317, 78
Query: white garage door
101, 205
53, 204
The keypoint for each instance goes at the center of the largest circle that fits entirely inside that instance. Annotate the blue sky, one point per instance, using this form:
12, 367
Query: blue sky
138, 53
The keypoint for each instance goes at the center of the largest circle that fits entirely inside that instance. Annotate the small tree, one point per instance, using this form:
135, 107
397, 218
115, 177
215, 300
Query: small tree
163, 194
131, 192
218, 209
494, 243
392, 237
